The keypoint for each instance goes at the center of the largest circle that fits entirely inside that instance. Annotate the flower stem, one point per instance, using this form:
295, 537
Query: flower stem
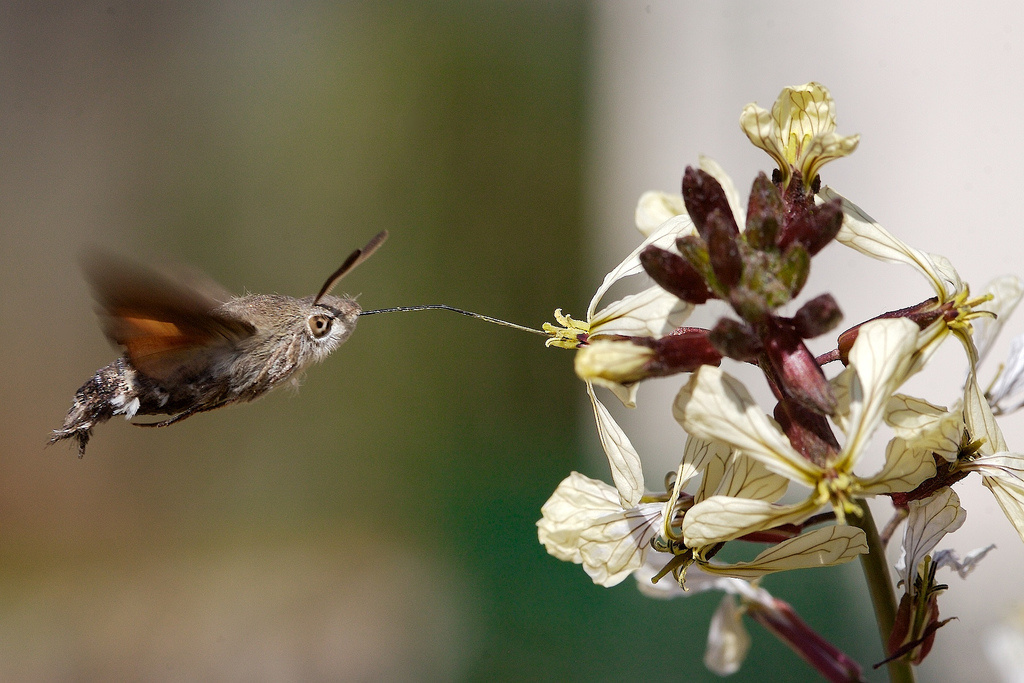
883, 597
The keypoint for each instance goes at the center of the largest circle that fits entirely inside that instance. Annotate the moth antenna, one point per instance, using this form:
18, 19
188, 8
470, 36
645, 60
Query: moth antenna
443, 307
354, 259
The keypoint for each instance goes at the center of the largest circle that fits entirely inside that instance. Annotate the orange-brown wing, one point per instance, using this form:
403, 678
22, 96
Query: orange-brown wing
169, 329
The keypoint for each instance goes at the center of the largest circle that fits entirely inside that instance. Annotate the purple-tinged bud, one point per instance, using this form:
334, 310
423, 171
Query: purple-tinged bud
702, 194
675, 275
922, 314
808, 432
735, 340
816, 317
685, 350
724, 249
765, 214
797, 373
812, 226
624, 360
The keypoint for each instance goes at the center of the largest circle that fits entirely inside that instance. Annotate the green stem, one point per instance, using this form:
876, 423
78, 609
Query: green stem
883, 598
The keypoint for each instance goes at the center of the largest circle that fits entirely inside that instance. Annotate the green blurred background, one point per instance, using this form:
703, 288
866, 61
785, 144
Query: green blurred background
379, 525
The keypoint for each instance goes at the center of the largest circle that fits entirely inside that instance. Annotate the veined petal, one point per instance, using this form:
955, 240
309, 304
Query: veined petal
664, 237
948, 558
650, 313
1005, 466
862, 233
981, 423
697, 581
613, 547
1006, 292
721, 518
577, 503
905, 468
715, 406
746, 477
654, 208
1010, 498
928, 521
925, 425
627, 471
739, 210
728, 640
882, 357
824, 547
699, 454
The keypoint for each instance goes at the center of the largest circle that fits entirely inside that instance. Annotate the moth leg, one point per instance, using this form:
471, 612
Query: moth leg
169, 421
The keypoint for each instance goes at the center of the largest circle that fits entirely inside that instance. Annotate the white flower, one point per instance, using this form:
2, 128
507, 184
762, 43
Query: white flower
927, 522
717, 407
799, 132
1007, 393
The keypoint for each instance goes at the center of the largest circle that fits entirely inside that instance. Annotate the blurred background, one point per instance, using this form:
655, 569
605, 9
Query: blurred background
379, 524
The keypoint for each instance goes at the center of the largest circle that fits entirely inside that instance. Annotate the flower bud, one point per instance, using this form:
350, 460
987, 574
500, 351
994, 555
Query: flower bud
795, 368
605, 361
675, 275
724, 249
703, 194
765, 214
735, 340
818, 316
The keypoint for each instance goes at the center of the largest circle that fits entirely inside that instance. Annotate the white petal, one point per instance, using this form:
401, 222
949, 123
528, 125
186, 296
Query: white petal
862, 233
664, 237
728, 640
905, 469
1010, 499
1011, 379
627, 471
650, 313
720, 518
697, 581
1003, 474
824, 547
654, 208
927, 522
577, 503
717, 407
925, 425
1006, 293
698, 454
881, 357
613, 547
978, 417
746, 477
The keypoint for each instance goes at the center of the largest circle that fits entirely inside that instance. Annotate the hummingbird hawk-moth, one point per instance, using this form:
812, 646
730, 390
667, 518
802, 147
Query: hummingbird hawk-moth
188, 350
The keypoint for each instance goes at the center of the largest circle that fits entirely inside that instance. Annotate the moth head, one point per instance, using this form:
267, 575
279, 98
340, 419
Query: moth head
329, 322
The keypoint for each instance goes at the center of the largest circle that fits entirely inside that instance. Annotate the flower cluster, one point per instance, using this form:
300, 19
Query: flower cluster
739, 461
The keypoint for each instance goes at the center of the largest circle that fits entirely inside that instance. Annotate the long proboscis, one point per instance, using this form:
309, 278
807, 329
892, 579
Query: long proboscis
444, 307
354, 259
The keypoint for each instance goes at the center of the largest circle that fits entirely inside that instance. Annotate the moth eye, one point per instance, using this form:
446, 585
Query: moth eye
319, 325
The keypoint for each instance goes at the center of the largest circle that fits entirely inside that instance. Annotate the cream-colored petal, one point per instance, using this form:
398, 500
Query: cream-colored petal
925, 425
654, 208
577, 503
613, 547
841, 390
1010, 499
650, 313
881, 357
698, 454
728, 640
664, 237
739, 209
928, 521
862, 233
948, 558
746, 477
978, 417
904, 470
627, 471
825, 148
824, 547
721, 518
715, 406
612, 363
1006, 292
1005, 466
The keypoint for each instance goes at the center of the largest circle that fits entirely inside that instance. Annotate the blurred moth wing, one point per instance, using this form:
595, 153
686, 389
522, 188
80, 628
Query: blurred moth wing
170, 327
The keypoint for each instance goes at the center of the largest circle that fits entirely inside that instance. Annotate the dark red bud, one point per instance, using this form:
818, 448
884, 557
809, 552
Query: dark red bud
724, 249
702, 194
685, 350
735, 340
923, 314
675, 275
797, 373
765, 214
818, 316
809, 432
